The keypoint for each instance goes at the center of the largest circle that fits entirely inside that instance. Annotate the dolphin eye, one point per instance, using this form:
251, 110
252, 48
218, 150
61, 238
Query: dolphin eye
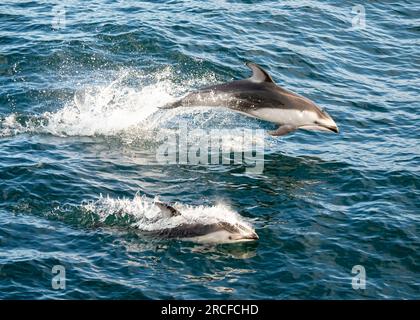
230, 238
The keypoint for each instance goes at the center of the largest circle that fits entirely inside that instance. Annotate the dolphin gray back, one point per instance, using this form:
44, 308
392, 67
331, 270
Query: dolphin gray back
258, 91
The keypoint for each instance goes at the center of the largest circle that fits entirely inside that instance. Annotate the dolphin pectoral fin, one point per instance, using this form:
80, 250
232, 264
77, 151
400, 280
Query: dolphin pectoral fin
282, 130
258, 73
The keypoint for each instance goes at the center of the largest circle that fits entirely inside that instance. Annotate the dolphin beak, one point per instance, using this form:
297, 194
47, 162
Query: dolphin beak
333, 128
252, 236
328, 123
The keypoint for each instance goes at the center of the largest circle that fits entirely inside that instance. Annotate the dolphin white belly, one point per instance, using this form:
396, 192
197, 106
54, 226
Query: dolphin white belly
283, 116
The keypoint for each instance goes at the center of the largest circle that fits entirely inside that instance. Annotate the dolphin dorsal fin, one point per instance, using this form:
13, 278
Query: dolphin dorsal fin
258, 73
169, 210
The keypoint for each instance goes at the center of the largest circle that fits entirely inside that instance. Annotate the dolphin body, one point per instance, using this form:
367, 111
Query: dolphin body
221, 232
259, 97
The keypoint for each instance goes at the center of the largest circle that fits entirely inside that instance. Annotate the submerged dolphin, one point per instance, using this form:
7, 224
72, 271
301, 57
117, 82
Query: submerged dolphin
261, 98
220, 232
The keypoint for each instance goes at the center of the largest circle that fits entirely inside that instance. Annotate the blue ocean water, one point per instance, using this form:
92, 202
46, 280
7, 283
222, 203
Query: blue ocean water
80, 86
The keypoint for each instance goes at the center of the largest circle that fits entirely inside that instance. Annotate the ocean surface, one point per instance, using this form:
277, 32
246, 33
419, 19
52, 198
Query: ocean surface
80, 130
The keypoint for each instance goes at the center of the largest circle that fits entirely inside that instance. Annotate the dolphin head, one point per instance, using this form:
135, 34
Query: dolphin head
312, 117
225, 232
321, 122
293, 110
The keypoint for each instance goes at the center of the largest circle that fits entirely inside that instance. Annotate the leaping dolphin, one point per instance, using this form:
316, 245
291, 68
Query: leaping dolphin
259, 97
220, 232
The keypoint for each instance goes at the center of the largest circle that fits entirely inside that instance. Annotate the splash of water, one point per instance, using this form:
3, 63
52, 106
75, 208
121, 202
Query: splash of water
108, 109
143, 213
